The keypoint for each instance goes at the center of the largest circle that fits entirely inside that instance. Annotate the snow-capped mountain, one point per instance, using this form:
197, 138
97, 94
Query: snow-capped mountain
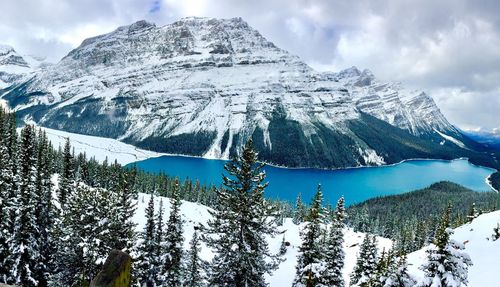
204, 86
13, 67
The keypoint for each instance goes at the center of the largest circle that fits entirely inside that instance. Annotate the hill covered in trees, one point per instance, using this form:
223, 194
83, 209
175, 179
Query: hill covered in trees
411, 218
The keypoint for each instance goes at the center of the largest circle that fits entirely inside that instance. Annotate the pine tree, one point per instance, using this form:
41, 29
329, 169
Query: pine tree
43, 211
123, 228
366, 264
172, 269
446, 263
397, 274
473, 213
84, 231
25, 251
310, 261
334, 253
195, 265
240, 223
283, 246
67, 175
159, 236
496, 232
5, 202
147, 267
300, 212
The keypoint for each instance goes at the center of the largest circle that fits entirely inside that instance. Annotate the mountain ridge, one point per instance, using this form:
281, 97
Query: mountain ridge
203, 86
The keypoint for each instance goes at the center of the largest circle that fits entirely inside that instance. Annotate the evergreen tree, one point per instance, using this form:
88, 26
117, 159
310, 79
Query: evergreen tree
446, 263
172, 269
84, 231
366, 265
397, 274
159, 236
195, 265
43, 211
67, 175
147, 267
300, 211
334, 253
5, 201
123, 228
283, 246
240, 223
473, 213
496, 232
25, 250
310, 261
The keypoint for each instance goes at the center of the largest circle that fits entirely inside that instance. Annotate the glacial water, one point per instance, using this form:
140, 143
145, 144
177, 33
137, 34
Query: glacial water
355, 184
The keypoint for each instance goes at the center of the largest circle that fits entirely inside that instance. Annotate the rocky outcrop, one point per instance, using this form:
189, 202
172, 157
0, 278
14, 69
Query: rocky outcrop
116, 271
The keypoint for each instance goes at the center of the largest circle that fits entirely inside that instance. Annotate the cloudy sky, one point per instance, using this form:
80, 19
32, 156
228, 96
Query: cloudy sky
449, 48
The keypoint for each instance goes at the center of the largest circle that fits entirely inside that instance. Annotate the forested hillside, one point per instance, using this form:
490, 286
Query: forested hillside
411, 218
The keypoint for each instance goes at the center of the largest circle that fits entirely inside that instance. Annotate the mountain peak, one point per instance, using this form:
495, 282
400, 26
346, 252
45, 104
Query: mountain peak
141, 25
349, 73
4, 49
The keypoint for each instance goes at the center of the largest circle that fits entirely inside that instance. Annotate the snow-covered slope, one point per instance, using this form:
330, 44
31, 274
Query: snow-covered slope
13, 67
484, 253
99, 148
203, 86
194, 213
477, 238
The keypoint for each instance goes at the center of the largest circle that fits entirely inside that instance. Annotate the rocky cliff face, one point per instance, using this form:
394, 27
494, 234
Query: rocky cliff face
204, 86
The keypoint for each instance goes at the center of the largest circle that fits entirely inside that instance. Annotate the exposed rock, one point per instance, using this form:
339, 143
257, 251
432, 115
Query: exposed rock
116, 271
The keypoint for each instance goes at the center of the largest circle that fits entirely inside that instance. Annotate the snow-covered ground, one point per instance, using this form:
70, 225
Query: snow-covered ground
484, 253
99, 147
194, 214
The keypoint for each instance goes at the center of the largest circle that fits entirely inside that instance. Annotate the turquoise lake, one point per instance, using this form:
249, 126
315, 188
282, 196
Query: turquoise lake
355, 184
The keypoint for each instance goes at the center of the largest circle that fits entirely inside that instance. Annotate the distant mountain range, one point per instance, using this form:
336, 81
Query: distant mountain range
203, 86
489, 139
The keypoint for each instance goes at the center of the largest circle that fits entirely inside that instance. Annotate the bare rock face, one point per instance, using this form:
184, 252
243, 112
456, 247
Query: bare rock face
116, 271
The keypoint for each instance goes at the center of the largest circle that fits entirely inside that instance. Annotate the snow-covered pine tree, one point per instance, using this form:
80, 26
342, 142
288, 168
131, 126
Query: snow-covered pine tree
172, 268
447, 265
397, 274
310, 261
25, 250
366, 264
473, 212
44, 213
195, 273
334, 252
496, 232
67, 176
84, 231
382, 270
240, 223
147, 266
300, 211
159, 236
283, 247
123, 228
6, 177
12, 178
